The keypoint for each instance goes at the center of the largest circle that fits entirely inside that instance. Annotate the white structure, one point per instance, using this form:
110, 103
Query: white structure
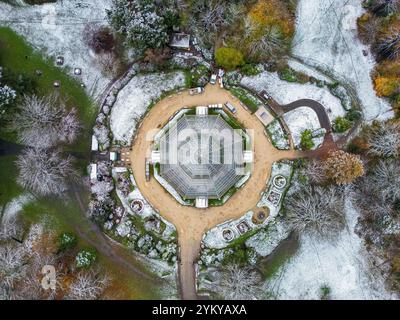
201, 202
95, 143
180, 41
113, 156
155, 157
201, 111
248, 156
264, 116
93, 171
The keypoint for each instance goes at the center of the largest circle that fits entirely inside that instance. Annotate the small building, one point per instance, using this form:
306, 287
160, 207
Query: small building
113, 156
180, 41
201, 111
264, 116
95, 143
93, 171
155, 157
248, 156
201, 202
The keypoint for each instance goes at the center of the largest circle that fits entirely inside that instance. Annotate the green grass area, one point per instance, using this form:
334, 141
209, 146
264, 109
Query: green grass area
246, 98
9, 189
270, 265
19, 57
61, 214
67, 216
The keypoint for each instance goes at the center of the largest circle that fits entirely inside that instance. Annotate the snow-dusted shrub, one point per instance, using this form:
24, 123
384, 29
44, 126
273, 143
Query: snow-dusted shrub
67, 241
140, 22
7, 96
102, 134
101, 189
316, 210
100, 209
85, 258
44, 171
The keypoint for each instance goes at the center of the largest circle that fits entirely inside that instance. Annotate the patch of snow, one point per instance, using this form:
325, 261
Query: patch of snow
299, 67
299, 120
342, 265
15, 206
265, 241
57, 28
286, 92
326, 36
134, 99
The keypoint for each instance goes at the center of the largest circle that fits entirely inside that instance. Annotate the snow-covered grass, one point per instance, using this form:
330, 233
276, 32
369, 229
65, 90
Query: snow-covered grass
57, 29
301, 119
341, 264
326, 36
265, 241
285, 92
135, 98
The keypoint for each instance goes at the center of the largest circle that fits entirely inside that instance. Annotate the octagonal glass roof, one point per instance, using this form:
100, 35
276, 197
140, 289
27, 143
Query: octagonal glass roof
201, 156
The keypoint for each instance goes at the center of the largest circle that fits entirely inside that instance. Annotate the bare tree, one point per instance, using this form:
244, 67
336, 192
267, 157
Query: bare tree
315, 171
99, 38
369, 29
10, 228
316, 210
269, 45
384, 180
44, 171
88, 285
384, 140
12, 265
238, 283
69, 127
385, 7
389, 45
342, 167
42, 122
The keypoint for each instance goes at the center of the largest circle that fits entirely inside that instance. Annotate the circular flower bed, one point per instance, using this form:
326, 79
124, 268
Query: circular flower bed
228, 235
137, 205
261, 215
279, 181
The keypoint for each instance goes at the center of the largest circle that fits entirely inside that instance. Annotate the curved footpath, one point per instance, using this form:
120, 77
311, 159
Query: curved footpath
192, 223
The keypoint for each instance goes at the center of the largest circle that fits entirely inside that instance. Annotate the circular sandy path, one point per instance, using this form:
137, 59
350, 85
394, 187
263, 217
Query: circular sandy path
191, 223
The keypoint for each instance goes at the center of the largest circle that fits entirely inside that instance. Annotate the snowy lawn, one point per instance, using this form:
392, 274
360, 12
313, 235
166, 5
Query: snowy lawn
57, 29
135, 98
301, 119
285, 92
340, 264
326, 35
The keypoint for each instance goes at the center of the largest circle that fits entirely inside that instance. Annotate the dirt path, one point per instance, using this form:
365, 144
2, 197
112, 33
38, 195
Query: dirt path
192, 223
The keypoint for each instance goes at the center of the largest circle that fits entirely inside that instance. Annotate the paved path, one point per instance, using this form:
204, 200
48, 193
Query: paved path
192, 223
